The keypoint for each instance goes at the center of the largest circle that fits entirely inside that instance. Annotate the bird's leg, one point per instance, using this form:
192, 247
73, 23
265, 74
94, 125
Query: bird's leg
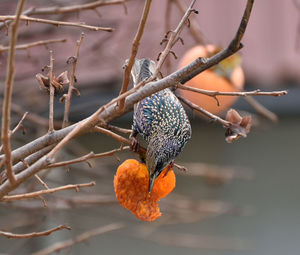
134, 146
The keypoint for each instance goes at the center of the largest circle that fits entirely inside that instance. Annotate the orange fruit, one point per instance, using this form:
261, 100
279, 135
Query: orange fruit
131, 188
210, 80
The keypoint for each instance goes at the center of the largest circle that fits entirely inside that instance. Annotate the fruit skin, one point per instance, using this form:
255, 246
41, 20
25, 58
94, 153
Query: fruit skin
131, 189
230, 81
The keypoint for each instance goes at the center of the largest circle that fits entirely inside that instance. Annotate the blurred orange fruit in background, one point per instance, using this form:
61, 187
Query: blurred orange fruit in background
227, 76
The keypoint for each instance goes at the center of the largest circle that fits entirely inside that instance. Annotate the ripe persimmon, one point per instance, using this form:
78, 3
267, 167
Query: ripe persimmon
227, 76
131, 184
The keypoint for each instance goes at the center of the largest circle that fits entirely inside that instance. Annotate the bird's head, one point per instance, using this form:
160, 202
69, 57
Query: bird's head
160, 153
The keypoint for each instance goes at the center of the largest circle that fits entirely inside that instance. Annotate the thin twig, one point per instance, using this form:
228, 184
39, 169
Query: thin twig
256, 92
16, 128
34, 118
118, 129
113, 135
34, 234
41, 181
56, 247
193, 28
36, 194
261, 109
73, 8
66, 9
173, 36
134, 50
211, 116
28, 161
26, 46
68, 98
56, 23
216, 174
51, 94
86, 157
168, 13
8, 94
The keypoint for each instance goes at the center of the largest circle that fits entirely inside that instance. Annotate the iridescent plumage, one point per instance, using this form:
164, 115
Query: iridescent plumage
161, 120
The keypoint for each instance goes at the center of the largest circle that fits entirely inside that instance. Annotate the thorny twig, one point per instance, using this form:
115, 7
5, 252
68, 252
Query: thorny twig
56, 247
193, 26
36, 194
34, 234
6, 108
134, 50
168, 28
173, 36
26, 46
68, 98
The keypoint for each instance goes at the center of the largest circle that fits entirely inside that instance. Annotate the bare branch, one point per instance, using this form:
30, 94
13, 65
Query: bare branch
16, 128
8, 94
113, 135
68, 97
211, 116
134, 50
55, 23
256, 92
172, 39
41, 181
36, 194
193, 28
80, 238
34, 118
67, 9
26, 46
51, 94
118, 129
34, 234
74, 8
261, 109
84, 158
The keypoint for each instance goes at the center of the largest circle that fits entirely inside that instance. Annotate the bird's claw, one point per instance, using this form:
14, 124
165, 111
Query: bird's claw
134, 144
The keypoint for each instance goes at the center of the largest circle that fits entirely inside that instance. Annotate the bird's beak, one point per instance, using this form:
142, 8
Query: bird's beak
152, 179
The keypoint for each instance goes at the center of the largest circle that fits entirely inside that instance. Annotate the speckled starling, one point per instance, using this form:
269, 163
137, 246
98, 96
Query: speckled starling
161, 120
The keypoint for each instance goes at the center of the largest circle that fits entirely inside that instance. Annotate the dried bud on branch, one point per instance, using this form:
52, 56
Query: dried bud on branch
239, 126
57, 82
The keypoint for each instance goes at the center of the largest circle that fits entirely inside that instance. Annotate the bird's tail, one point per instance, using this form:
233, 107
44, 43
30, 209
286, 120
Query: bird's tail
142, 69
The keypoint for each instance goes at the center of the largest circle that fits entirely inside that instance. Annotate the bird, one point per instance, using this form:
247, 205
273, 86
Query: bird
161, 121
